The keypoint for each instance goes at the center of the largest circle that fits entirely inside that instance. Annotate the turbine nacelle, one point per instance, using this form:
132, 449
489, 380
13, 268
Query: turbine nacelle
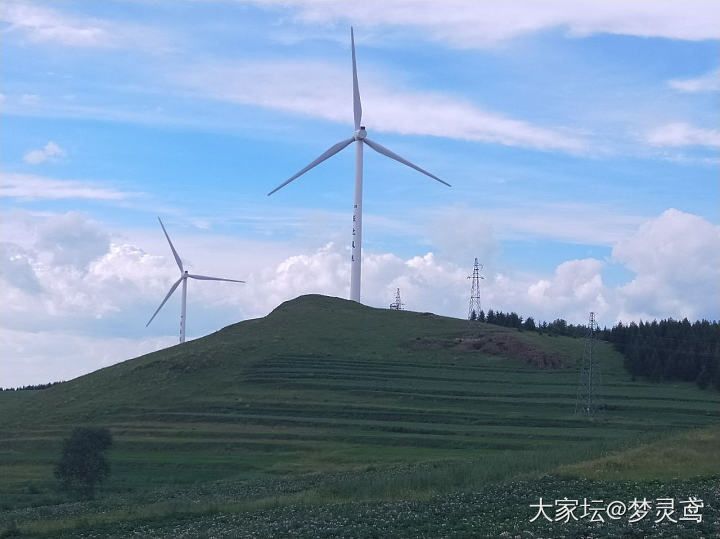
360, 134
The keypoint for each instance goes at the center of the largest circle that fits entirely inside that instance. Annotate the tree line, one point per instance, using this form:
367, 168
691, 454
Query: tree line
671, 350
513, 320
32, 387
659, 350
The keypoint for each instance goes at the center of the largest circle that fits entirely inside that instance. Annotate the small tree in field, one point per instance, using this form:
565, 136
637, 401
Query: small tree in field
83, 464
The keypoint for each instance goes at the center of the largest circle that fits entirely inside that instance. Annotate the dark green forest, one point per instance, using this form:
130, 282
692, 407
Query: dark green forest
658, 350
671, 350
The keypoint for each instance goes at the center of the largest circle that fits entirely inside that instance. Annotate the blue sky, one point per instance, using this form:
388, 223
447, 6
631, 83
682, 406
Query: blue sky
580, 138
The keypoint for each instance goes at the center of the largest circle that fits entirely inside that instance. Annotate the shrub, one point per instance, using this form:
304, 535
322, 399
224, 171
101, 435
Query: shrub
83, 463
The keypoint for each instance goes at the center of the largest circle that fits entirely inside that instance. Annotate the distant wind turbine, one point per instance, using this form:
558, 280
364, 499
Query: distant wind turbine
360, 137
183, 278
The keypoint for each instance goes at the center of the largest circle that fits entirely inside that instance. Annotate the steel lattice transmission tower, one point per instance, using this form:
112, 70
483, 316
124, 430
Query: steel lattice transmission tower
398, 305
588, 394
474, 309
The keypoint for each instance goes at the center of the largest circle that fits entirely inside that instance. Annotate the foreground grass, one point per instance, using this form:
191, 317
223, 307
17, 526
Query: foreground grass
452, 499
497, 508
691, 454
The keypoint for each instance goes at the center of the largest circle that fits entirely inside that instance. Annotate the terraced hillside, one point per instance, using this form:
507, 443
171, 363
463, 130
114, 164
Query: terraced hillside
326, 401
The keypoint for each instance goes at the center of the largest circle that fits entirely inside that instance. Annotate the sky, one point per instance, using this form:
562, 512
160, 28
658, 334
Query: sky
580, 138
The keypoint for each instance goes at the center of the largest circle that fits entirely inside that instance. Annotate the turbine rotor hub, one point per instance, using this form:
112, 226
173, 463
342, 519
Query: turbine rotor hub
360, 133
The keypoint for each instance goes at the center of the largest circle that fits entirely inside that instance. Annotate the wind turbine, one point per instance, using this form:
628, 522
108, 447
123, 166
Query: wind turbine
184, 275
360, 138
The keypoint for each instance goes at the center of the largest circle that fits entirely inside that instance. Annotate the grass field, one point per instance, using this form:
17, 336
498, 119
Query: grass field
327, 417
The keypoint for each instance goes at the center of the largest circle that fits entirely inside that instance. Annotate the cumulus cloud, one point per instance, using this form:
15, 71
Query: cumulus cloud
427, 284
676, 258
50, 152
709, 82
575, 289
324, 270
16, 263
83, 276
70, 273
683, 134
71, 239
481, 24
30, 187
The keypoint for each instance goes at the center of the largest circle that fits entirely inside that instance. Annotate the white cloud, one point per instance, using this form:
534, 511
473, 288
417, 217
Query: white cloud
16, 264
683, 134
575, 289
320, 90
84, 285
71, 239
41, 24
710, 82
67, 272
36, 358
50, 152
427, 283
480, 24
29, 187
676, 258
44, 24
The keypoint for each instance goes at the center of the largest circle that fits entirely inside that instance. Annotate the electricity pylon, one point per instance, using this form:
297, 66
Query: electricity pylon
588, 402
398, 305
474, 309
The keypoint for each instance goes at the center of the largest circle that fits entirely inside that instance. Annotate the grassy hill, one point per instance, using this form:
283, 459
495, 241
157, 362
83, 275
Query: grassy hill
327, 407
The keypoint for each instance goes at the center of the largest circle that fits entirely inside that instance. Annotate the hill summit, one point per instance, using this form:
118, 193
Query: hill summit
307, 326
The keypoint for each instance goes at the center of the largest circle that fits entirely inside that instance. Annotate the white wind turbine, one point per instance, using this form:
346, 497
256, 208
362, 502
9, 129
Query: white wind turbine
360, 137
184, 275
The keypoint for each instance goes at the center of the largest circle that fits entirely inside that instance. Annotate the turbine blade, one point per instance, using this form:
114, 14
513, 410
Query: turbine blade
174, 252
206, 278
392, 155
329, 153
357, 106
172, 289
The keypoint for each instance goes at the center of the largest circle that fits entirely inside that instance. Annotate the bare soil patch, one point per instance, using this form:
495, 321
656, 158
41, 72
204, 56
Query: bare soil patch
497, 344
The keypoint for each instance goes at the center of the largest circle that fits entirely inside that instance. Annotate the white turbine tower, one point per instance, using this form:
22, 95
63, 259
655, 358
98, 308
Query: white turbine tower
359, 137
184, 275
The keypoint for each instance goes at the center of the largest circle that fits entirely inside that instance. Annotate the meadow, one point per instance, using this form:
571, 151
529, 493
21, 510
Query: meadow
327, 418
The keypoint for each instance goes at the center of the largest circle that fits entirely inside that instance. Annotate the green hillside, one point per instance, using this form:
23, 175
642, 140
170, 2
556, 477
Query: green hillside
325, 403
